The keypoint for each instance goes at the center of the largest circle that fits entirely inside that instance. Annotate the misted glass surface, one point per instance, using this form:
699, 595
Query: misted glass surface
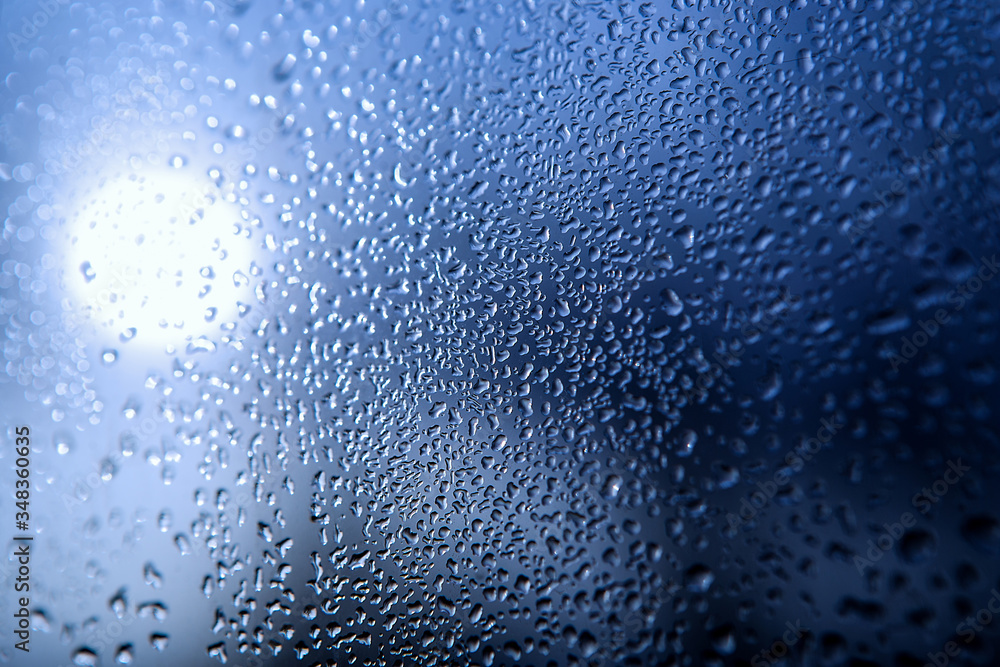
483, 334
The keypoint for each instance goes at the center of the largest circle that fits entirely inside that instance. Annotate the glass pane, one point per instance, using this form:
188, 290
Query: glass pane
513, 334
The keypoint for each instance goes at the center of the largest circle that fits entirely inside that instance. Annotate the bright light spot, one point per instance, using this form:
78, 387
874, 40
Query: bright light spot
156, 257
